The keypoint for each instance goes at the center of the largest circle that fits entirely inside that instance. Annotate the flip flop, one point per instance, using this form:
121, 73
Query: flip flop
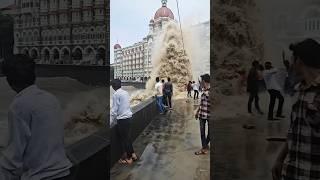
124, 161
201, 152
135, 158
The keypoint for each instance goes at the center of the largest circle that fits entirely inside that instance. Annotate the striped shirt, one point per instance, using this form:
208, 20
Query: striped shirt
204, 112
303, 159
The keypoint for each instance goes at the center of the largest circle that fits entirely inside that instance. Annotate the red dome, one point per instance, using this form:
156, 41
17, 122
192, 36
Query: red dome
117, 46
164, 12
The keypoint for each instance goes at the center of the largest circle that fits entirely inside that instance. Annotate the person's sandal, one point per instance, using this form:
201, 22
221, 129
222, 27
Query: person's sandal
135, 158
201, 152
125, 161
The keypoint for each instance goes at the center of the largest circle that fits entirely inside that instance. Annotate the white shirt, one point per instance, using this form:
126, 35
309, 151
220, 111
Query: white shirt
120, 105
270, 79
159, 89
36, 138
195, 87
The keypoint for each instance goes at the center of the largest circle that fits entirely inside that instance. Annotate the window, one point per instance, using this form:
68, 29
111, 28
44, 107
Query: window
309, 25
305, 25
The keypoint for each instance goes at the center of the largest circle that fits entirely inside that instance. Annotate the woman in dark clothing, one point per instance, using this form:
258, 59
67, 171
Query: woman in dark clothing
253, 87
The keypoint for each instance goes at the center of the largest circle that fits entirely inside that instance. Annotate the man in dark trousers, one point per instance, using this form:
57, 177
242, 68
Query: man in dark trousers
122, 114
203, 113
168, 92
274, 90
36, 139
253, 87
164, 100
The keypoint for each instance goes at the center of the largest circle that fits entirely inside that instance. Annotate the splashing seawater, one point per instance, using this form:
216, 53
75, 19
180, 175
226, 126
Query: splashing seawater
169, 59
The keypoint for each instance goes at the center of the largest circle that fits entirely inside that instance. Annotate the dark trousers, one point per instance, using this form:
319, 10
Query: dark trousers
275, 94
124, 130
196, 93
168, 100
253, 97
204, 139
164, 100
189, 94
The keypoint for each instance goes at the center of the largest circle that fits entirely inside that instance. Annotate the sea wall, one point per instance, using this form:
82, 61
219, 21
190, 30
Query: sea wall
90, 156
90, 75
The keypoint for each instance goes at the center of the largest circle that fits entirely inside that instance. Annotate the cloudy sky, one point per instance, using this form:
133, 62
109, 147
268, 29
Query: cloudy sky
4, 3
129, 19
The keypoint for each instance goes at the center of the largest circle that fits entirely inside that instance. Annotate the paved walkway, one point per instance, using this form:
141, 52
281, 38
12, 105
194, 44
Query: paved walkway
245, 154
167, 149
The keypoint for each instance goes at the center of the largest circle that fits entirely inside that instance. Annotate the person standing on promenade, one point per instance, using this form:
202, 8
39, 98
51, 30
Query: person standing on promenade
274, 89
122, 114
168, 91
36, 147
203, 114
159, 95
300, 156
189, 89
195, 88
164, 100
253, 87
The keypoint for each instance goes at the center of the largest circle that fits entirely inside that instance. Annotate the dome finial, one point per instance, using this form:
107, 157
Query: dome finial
164, 2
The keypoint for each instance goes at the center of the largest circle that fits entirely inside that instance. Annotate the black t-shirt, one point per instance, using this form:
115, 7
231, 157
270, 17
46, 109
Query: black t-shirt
168, 88
252, 80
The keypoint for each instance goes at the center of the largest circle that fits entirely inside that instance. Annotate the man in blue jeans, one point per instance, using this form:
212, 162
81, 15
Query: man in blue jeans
159, 95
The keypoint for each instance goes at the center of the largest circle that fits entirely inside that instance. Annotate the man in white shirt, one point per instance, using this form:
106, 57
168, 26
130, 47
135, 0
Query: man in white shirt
274, 90
35, 149
159, 95
122, 114
195, 87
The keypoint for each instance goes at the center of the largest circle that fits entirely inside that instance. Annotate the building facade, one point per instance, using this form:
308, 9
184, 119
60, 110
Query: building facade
62, 31
290, 25
134, 62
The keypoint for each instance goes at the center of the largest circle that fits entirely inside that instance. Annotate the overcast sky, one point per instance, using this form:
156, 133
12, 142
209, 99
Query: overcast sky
129, 19
4, 3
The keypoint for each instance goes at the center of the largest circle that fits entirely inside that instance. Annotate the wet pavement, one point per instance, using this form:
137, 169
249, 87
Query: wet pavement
166, 148
246, 154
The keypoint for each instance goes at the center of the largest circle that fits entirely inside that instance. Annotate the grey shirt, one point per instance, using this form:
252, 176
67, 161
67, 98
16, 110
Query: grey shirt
35, 148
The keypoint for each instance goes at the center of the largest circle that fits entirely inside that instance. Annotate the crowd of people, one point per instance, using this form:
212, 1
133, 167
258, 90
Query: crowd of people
195, 87
299, 157
122, 114
276, 81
